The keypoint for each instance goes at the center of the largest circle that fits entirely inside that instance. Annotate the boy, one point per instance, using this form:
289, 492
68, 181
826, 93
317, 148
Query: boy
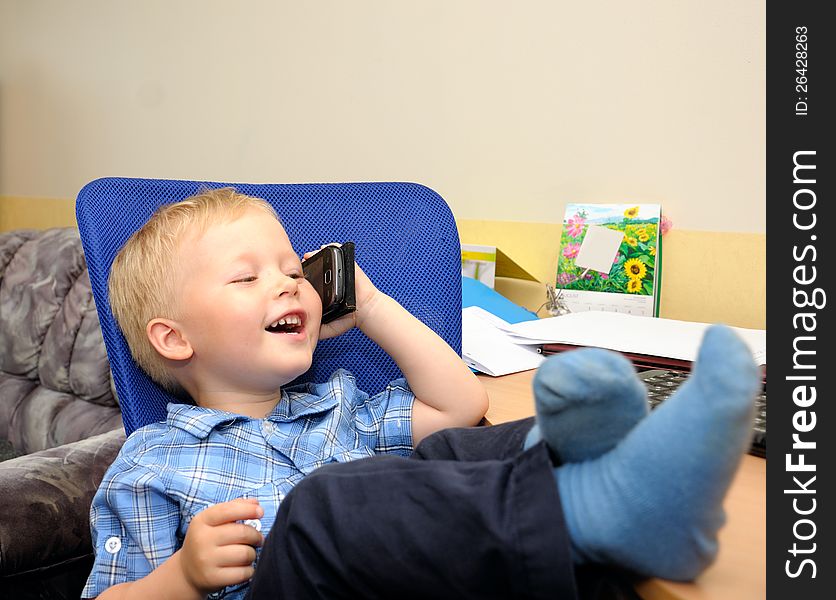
212, 302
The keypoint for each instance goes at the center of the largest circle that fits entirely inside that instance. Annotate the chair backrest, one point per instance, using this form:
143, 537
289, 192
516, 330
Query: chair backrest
406, 242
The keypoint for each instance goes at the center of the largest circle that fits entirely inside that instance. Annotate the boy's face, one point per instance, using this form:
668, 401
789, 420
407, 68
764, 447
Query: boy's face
234, 283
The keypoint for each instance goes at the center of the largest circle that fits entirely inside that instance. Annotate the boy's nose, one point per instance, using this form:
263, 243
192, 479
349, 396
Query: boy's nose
285, 285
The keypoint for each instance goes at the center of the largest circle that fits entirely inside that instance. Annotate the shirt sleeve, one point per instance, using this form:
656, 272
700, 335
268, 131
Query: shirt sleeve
389, 415
134, 525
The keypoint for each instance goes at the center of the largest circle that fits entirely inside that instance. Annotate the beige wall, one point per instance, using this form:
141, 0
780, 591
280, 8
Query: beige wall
35, 213
510, 110
707, 276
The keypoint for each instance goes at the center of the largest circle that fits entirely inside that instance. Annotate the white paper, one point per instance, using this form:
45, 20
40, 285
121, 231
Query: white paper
652, 336
487, 348
599, 247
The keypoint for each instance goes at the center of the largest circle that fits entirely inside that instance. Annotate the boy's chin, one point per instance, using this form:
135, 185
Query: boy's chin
299, 368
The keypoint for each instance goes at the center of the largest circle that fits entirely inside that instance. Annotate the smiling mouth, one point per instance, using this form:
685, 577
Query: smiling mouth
288, 324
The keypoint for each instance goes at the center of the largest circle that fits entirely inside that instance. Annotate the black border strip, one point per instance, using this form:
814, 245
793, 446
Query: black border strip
799, 131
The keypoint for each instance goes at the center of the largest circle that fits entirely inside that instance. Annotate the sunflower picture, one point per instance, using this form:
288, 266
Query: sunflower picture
631, 213
634, 268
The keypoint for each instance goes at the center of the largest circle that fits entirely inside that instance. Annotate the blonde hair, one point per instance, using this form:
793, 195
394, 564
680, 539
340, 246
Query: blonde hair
141, 282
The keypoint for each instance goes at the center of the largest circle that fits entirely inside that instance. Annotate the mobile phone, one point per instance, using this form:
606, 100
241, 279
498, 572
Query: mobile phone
331, 273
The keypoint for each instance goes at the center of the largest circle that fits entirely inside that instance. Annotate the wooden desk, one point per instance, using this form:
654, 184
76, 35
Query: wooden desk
740, 570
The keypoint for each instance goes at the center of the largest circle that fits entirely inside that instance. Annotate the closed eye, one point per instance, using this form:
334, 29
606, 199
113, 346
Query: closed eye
247, 279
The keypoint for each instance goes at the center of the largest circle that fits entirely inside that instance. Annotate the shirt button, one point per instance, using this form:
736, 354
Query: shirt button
267, 428
113, 545
254, 523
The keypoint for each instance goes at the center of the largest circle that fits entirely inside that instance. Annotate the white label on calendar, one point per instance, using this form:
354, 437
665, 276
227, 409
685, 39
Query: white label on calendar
579, 301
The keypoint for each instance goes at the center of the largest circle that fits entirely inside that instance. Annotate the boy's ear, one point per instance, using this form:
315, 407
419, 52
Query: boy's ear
166, 338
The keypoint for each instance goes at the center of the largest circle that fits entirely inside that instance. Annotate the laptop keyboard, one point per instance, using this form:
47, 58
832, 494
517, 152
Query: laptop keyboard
661, 383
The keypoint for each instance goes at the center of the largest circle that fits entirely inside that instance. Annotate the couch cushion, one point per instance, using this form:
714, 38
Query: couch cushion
34, 285
45, 498
55, 384
72, 357
13, 391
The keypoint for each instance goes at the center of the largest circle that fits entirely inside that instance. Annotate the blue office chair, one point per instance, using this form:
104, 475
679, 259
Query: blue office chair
406, 242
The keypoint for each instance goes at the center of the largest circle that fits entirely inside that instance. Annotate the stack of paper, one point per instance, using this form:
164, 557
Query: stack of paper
651, 336
489, 349
496, 347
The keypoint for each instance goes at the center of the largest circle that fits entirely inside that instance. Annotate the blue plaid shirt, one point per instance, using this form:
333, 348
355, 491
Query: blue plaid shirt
169, 471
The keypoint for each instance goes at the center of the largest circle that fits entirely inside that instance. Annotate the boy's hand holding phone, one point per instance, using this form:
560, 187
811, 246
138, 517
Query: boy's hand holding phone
447, 393
365, 292
342, 286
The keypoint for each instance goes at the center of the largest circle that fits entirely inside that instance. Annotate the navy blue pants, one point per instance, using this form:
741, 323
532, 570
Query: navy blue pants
469, 515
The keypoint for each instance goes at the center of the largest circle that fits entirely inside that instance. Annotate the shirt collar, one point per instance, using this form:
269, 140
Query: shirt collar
197, 420
297, 402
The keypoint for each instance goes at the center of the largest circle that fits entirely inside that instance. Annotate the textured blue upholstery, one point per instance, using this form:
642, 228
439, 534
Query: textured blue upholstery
406, 240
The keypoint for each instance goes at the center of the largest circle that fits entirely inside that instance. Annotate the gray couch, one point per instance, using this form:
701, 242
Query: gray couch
58, 414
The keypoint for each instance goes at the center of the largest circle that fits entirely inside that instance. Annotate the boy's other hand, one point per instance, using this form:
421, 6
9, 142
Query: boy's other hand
218, 550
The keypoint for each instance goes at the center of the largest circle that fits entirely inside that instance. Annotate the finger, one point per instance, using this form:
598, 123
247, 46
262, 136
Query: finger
238, 533
240, 509
234, 575
336, 327
310, 253
239, 555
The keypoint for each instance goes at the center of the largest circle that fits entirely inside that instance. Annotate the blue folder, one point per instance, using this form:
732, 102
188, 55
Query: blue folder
476, 293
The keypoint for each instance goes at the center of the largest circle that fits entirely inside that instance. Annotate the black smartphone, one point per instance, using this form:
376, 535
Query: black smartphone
331, 273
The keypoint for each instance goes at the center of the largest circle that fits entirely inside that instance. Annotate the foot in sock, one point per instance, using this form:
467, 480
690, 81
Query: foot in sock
586, 402
653, 504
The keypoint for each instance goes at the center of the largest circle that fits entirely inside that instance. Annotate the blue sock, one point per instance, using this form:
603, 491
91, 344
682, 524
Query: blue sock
653, 504
586, 401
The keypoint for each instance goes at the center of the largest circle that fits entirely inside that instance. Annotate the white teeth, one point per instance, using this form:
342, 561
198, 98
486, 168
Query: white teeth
292, 320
